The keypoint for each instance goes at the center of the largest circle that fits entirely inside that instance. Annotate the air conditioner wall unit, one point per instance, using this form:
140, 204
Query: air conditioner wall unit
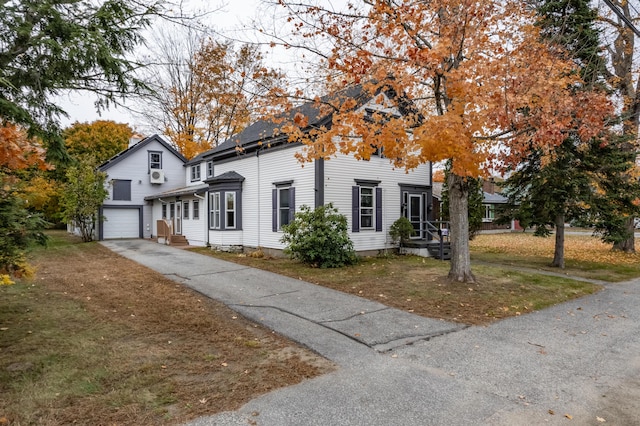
156, 176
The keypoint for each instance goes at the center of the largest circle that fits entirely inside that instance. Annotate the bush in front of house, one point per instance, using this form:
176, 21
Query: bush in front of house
401, 231
319, 238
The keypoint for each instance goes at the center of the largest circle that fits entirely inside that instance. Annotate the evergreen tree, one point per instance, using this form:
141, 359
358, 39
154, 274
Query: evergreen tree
49, 46
552, 194
21, 229
549, 189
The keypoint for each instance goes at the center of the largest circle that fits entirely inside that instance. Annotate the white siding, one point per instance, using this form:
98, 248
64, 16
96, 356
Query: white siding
203, 174
135, 167
260, 173
338, 184
194, 230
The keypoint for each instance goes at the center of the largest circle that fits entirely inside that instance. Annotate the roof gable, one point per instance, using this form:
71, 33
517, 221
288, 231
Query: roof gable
122, 155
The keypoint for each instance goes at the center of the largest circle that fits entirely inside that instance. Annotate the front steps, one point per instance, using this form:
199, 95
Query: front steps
179, 241
428, 248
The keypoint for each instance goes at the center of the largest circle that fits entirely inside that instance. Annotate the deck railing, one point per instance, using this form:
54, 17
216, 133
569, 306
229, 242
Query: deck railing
165, 230
435, 230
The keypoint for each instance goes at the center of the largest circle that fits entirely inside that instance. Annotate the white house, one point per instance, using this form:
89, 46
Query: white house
147, 167
240, 198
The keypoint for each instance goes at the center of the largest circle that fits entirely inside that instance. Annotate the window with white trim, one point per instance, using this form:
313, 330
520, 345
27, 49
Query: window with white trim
195, 172
185, 209
230, 210
489, 213
367, 207
366, 202
209, 169
214, 203
196, 209
155, 160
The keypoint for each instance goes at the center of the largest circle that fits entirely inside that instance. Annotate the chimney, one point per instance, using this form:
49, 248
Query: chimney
135, 138
489, 186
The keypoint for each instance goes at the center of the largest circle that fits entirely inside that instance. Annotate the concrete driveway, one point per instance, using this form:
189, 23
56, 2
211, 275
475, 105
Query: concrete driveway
576, 363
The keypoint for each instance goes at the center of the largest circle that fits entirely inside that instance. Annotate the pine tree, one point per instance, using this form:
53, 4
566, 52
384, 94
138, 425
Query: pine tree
551, 188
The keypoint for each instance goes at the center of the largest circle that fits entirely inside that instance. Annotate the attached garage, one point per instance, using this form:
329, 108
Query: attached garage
121, 222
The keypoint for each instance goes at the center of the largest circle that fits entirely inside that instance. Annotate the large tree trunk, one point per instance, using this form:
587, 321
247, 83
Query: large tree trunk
558, 254
628, 245
459, 216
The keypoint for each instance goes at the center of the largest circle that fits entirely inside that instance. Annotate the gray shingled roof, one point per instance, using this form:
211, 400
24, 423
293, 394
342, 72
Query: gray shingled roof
178, 192
267, 130
144, 142
226, 177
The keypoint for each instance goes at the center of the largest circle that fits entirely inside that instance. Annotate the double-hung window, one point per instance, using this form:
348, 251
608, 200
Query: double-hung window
367, 205
214, 203
230, 210
209, 169
196, 209
195, 172
489, 213
225, 202
185, 210
366, 201
155, 160
283, 204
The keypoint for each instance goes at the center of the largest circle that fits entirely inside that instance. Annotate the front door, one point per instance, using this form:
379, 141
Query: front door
175, 216
415, 214
178, 218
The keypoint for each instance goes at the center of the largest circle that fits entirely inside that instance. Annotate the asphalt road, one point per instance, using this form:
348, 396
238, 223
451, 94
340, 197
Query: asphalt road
577, 363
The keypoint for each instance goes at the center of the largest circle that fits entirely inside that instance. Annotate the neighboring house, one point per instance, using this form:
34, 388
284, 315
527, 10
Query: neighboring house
147, 167
491, 199
240, 194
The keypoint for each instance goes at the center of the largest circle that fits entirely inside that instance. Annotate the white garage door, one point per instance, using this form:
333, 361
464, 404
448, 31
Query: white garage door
121, 223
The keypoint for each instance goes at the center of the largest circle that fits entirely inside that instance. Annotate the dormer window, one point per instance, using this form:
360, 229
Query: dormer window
195, 173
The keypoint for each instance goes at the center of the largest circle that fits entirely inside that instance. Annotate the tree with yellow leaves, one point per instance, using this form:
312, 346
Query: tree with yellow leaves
207, 94
102, 139
481, 89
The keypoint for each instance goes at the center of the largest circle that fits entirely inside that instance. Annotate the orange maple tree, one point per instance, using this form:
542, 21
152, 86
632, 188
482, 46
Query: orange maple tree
213, 99
18, 151
479, 88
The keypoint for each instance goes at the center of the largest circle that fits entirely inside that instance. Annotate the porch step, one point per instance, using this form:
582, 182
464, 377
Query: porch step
434, 250
433, 247
179, 240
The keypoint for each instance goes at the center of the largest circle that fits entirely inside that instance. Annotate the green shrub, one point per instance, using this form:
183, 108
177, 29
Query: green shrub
401, 230
319, 238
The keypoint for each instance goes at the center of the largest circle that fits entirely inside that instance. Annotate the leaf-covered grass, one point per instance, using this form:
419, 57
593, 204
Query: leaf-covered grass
585, 256
97, 339
420, 285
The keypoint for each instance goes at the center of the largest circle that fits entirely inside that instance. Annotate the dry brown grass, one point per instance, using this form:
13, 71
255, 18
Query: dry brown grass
98, 339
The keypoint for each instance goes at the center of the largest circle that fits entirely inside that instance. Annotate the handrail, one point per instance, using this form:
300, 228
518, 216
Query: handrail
165, 230
436, 230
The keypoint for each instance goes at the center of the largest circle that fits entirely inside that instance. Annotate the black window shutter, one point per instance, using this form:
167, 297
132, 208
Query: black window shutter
238, 210
274, 210
378, 209
355, 208
292, 203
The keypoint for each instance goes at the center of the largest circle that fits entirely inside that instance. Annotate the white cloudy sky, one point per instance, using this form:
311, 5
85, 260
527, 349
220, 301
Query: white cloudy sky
232, 18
